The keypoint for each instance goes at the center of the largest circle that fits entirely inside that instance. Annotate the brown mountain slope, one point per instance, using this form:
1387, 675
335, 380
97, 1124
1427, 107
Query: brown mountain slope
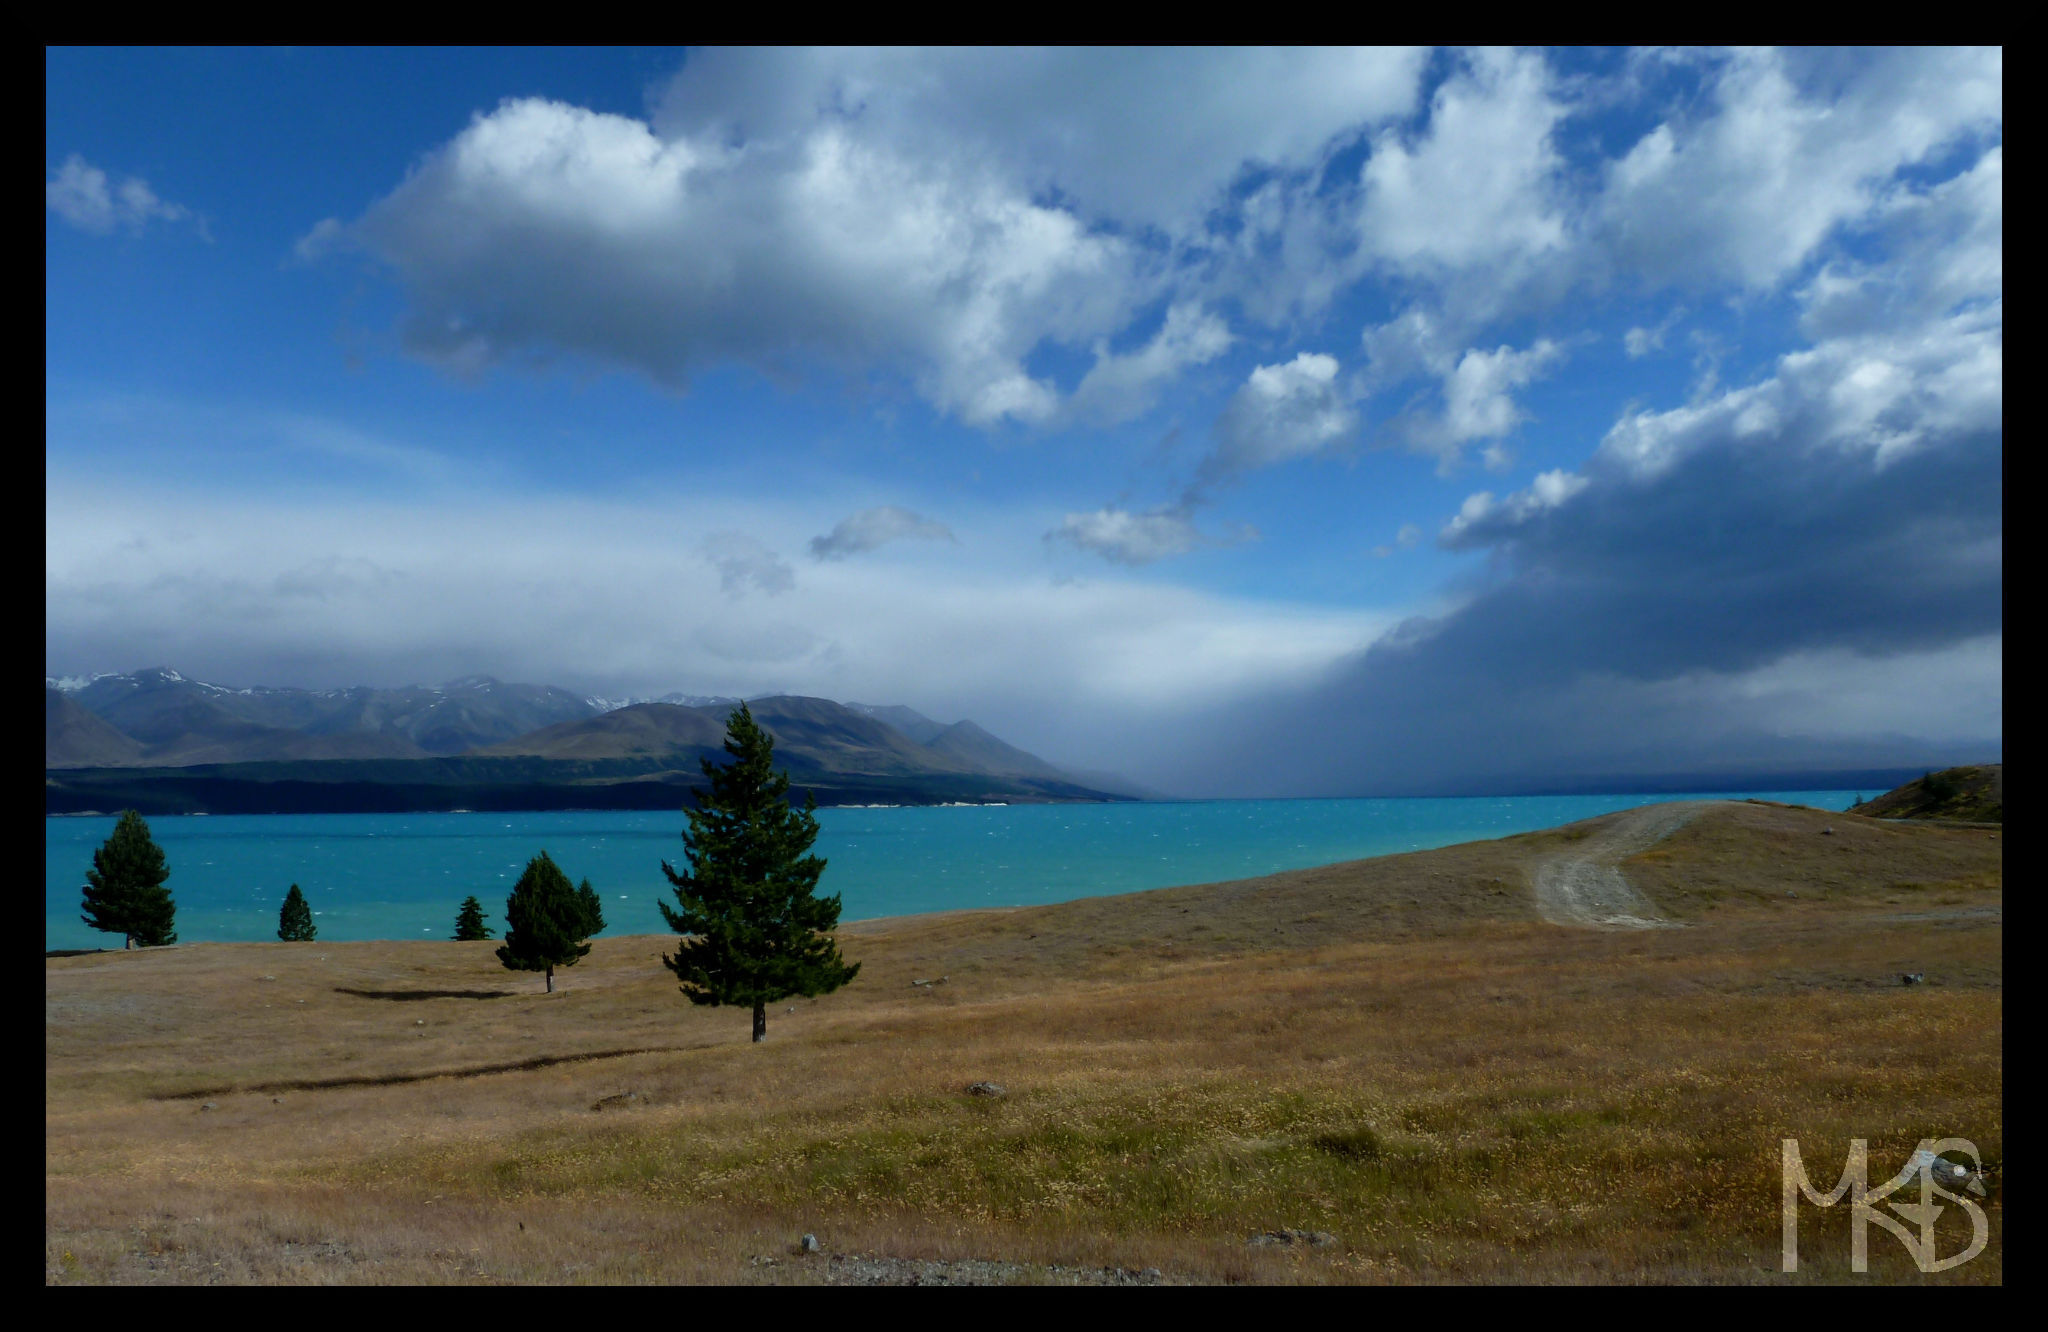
191, 721
838, 739
812, 735
968, 743
74, 738
272, 744
189, 730
645, 728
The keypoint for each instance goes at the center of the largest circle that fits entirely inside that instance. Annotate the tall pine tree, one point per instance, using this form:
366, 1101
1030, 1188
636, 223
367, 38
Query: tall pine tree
469, 921
754, 930
593, 910
295, 920
544, 921
124, 889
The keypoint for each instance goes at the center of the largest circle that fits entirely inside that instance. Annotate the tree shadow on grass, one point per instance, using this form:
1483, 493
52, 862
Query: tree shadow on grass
425, 1075
406, 996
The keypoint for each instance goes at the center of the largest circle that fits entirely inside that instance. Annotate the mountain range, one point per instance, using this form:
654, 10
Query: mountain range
159, 731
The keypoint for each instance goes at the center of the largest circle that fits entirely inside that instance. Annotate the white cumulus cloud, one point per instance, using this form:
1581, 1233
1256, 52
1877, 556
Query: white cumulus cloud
1131, 538
1477, 187
1781, 155
87, 198
1151, 137
1121, 386
544, 228
1290, 410
870, 528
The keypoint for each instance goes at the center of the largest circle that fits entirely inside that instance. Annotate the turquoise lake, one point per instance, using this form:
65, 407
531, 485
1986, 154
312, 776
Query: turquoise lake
402, 876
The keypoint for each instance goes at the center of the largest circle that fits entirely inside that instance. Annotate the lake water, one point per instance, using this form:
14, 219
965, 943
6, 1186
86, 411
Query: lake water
402, 876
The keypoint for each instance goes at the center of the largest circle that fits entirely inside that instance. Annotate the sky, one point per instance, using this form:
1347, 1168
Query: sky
1266, 422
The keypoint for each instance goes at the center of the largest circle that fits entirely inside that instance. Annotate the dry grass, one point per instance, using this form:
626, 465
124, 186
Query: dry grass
1394, 1051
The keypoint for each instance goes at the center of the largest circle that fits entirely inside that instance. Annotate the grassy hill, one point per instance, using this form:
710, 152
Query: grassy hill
1964, 795
1395, 1052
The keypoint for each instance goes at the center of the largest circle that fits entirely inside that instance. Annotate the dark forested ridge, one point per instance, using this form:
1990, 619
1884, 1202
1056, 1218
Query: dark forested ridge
429, 786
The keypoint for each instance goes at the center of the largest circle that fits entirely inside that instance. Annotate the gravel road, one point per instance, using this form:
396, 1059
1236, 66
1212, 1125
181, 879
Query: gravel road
1583, 884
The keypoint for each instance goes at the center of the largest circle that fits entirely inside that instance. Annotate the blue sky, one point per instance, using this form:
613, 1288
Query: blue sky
1461, 412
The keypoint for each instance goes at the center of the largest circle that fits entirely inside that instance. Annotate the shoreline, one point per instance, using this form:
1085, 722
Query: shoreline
871, 924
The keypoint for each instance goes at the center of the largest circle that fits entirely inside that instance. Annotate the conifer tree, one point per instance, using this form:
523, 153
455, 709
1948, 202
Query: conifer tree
124, 889
754, 930
295, 920
593, 910
469, 921
543, 921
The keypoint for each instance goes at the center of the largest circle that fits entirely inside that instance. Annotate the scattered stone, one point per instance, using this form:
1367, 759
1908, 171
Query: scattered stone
1941, 1171
277, 1100
615, 1101
419, 1022
1315, 1239
266, 978
809, 1243
914, 984
211, 1105
1827, 832
1913, 978
987, 1089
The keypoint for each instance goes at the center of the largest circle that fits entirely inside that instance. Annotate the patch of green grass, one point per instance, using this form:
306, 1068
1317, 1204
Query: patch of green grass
1355, 1144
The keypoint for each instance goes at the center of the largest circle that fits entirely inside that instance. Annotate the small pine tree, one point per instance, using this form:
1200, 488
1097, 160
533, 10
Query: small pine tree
754, 930
295, 920
593, 910
469, 921
543, 921
124, 889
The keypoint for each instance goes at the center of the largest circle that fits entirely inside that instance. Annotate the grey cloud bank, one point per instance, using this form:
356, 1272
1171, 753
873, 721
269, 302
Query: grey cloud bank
1802, 573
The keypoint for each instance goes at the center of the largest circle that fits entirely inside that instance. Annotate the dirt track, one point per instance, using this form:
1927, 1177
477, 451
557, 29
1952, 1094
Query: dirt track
1585, 886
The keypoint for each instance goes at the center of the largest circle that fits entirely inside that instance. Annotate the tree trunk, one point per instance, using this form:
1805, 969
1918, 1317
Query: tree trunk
760, 1019
551, 980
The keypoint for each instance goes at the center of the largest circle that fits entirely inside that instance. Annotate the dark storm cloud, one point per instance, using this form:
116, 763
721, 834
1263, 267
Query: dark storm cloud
1651, 613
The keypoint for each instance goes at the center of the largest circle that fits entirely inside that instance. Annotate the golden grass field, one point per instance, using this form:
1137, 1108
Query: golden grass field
1394, 1051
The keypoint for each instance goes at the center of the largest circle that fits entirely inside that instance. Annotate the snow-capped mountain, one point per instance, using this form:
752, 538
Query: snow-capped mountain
680, 700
